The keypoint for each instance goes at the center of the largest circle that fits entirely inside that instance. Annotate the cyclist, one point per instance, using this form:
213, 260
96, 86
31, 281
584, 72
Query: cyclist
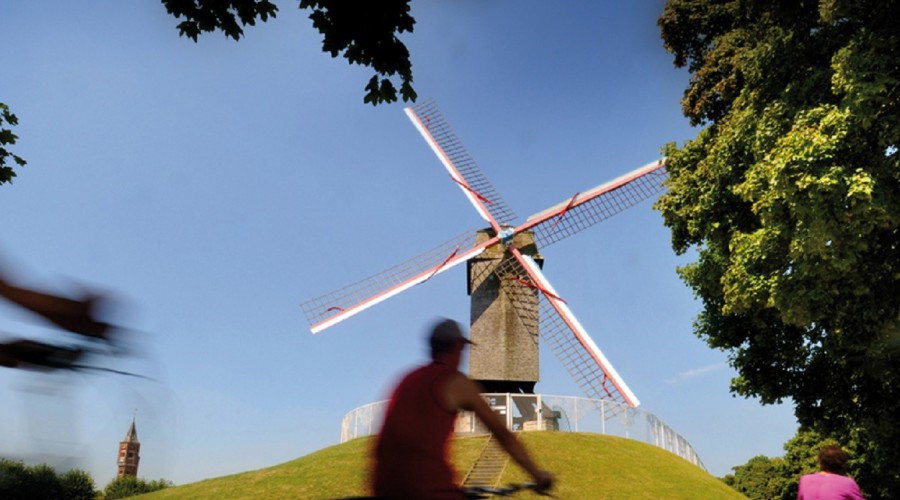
411, 451
75, 315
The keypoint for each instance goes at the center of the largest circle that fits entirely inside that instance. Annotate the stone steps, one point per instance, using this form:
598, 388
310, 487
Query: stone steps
489, 466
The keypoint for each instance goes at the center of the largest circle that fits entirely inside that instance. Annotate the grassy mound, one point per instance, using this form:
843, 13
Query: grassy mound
586, 466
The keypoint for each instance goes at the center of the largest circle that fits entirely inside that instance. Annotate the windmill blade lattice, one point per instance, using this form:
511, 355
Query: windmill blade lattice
520, 289
574, 357
586, 209
323, 307
502, 256
450, 149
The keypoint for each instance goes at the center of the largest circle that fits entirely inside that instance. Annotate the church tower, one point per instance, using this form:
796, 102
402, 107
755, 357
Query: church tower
129, 453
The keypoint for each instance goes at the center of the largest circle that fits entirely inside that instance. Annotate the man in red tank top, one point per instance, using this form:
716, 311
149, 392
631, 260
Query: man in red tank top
411, 453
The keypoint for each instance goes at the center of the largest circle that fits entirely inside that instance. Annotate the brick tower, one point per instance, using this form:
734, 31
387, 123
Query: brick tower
129, 453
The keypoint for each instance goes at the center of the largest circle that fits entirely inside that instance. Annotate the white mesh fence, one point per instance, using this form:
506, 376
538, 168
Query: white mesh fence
533, 412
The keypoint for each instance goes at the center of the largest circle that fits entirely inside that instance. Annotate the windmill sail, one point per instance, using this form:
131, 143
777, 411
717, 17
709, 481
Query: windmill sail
549, 226
570, 342
534, 300
331, 308
462, 167
588, 208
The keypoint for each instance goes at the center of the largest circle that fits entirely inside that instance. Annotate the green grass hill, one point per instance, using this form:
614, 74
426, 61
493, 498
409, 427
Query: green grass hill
586, 466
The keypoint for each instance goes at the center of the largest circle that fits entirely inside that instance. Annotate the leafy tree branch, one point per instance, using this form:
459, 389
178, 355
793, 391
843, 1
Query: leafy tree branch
364, 32
8, 138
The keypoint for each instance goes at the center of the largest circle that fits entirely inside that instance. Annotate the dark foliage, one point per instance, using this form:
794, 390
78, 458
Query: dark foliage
129, 486
364, 32
7, 138
18, 481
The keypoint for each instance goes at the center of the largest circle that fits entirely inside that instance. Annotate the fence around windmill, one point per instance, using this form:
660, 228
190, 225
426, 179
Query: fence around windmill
534, 412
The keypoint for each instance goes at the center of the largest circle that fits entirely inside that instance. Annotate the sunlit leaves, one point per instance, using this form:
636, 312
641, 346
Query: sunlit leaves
791, 195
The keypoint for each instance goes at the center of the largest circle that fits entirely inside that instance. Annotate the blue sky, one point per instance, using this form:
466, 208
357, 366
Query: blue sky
213, 187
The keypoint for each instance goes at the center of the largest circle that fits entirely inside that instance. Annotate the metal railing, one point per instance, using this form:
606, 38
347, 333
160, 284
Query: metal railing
544, 412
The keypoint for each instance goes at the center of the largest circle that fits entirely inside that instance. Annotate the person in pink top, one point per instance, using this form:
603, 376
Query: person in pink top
832, 482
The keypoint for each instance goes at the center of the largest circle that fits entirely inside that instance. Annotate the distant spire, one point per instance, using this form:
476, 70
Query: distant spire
131, 435
129, 452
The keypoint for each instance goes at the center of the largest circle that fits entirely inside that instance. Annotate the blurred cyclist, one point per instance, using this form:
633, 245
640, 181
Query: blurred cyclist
411, 452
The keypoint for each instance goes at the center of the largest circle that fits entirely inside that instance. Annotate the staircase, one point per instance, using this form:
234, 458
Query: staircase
489, 466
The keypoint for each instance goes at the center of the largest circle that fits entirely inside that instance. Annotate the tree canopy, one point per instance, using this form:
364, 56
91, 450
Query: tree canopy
20, 481
129, 486
365, 32
790, 195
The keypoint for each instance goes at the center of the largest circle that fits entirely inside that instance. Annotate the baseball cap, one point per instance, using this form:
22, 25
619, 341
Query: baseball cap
446, 334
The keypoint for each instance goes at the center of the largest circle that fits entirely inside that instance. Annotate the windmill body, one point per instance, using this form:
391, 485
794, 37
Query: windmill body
513, 303
505, 356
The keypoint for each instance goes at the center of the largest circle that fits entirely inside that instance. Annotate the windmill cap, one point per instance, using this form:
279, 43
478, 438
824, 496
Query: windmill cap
446, 334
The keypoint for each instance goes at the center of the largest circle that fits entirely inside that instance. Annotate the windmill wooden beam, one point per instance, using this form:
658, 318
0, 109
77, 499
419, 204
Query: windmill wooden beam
512, 301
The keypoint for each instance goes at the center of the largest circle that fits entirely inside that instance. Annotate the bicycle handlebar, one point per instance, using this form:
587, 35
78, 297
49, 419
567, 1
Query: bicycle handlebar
475, 492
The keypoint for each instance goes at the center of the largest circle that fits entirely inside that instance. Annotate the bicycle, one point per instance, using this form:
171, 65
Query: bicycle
479, 492
475, 492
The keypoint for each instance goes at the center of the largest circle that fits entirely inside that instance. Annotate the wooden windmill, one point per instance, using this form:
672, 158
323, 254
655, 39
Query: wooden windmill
512, 302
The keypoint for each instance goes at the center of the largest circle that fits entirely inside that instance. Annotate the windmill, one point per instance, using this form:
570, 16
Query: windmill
513, 303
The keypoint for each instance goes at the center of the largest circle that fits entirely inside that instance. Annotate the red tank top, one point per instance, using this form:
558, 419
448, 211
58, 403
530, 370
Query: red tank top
411, 454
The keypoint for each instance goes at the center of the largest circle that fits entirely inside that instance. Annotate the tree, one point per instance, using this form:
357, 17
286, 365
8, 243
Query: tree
13, 479
19, 481
7, 138
365, 32
127, 486
790, 195
77, 485
43, 482
759, 479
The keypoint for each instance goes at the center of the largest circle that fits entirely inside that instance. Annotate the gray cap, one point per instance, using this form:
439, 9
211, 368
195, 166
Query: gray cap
445, 335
